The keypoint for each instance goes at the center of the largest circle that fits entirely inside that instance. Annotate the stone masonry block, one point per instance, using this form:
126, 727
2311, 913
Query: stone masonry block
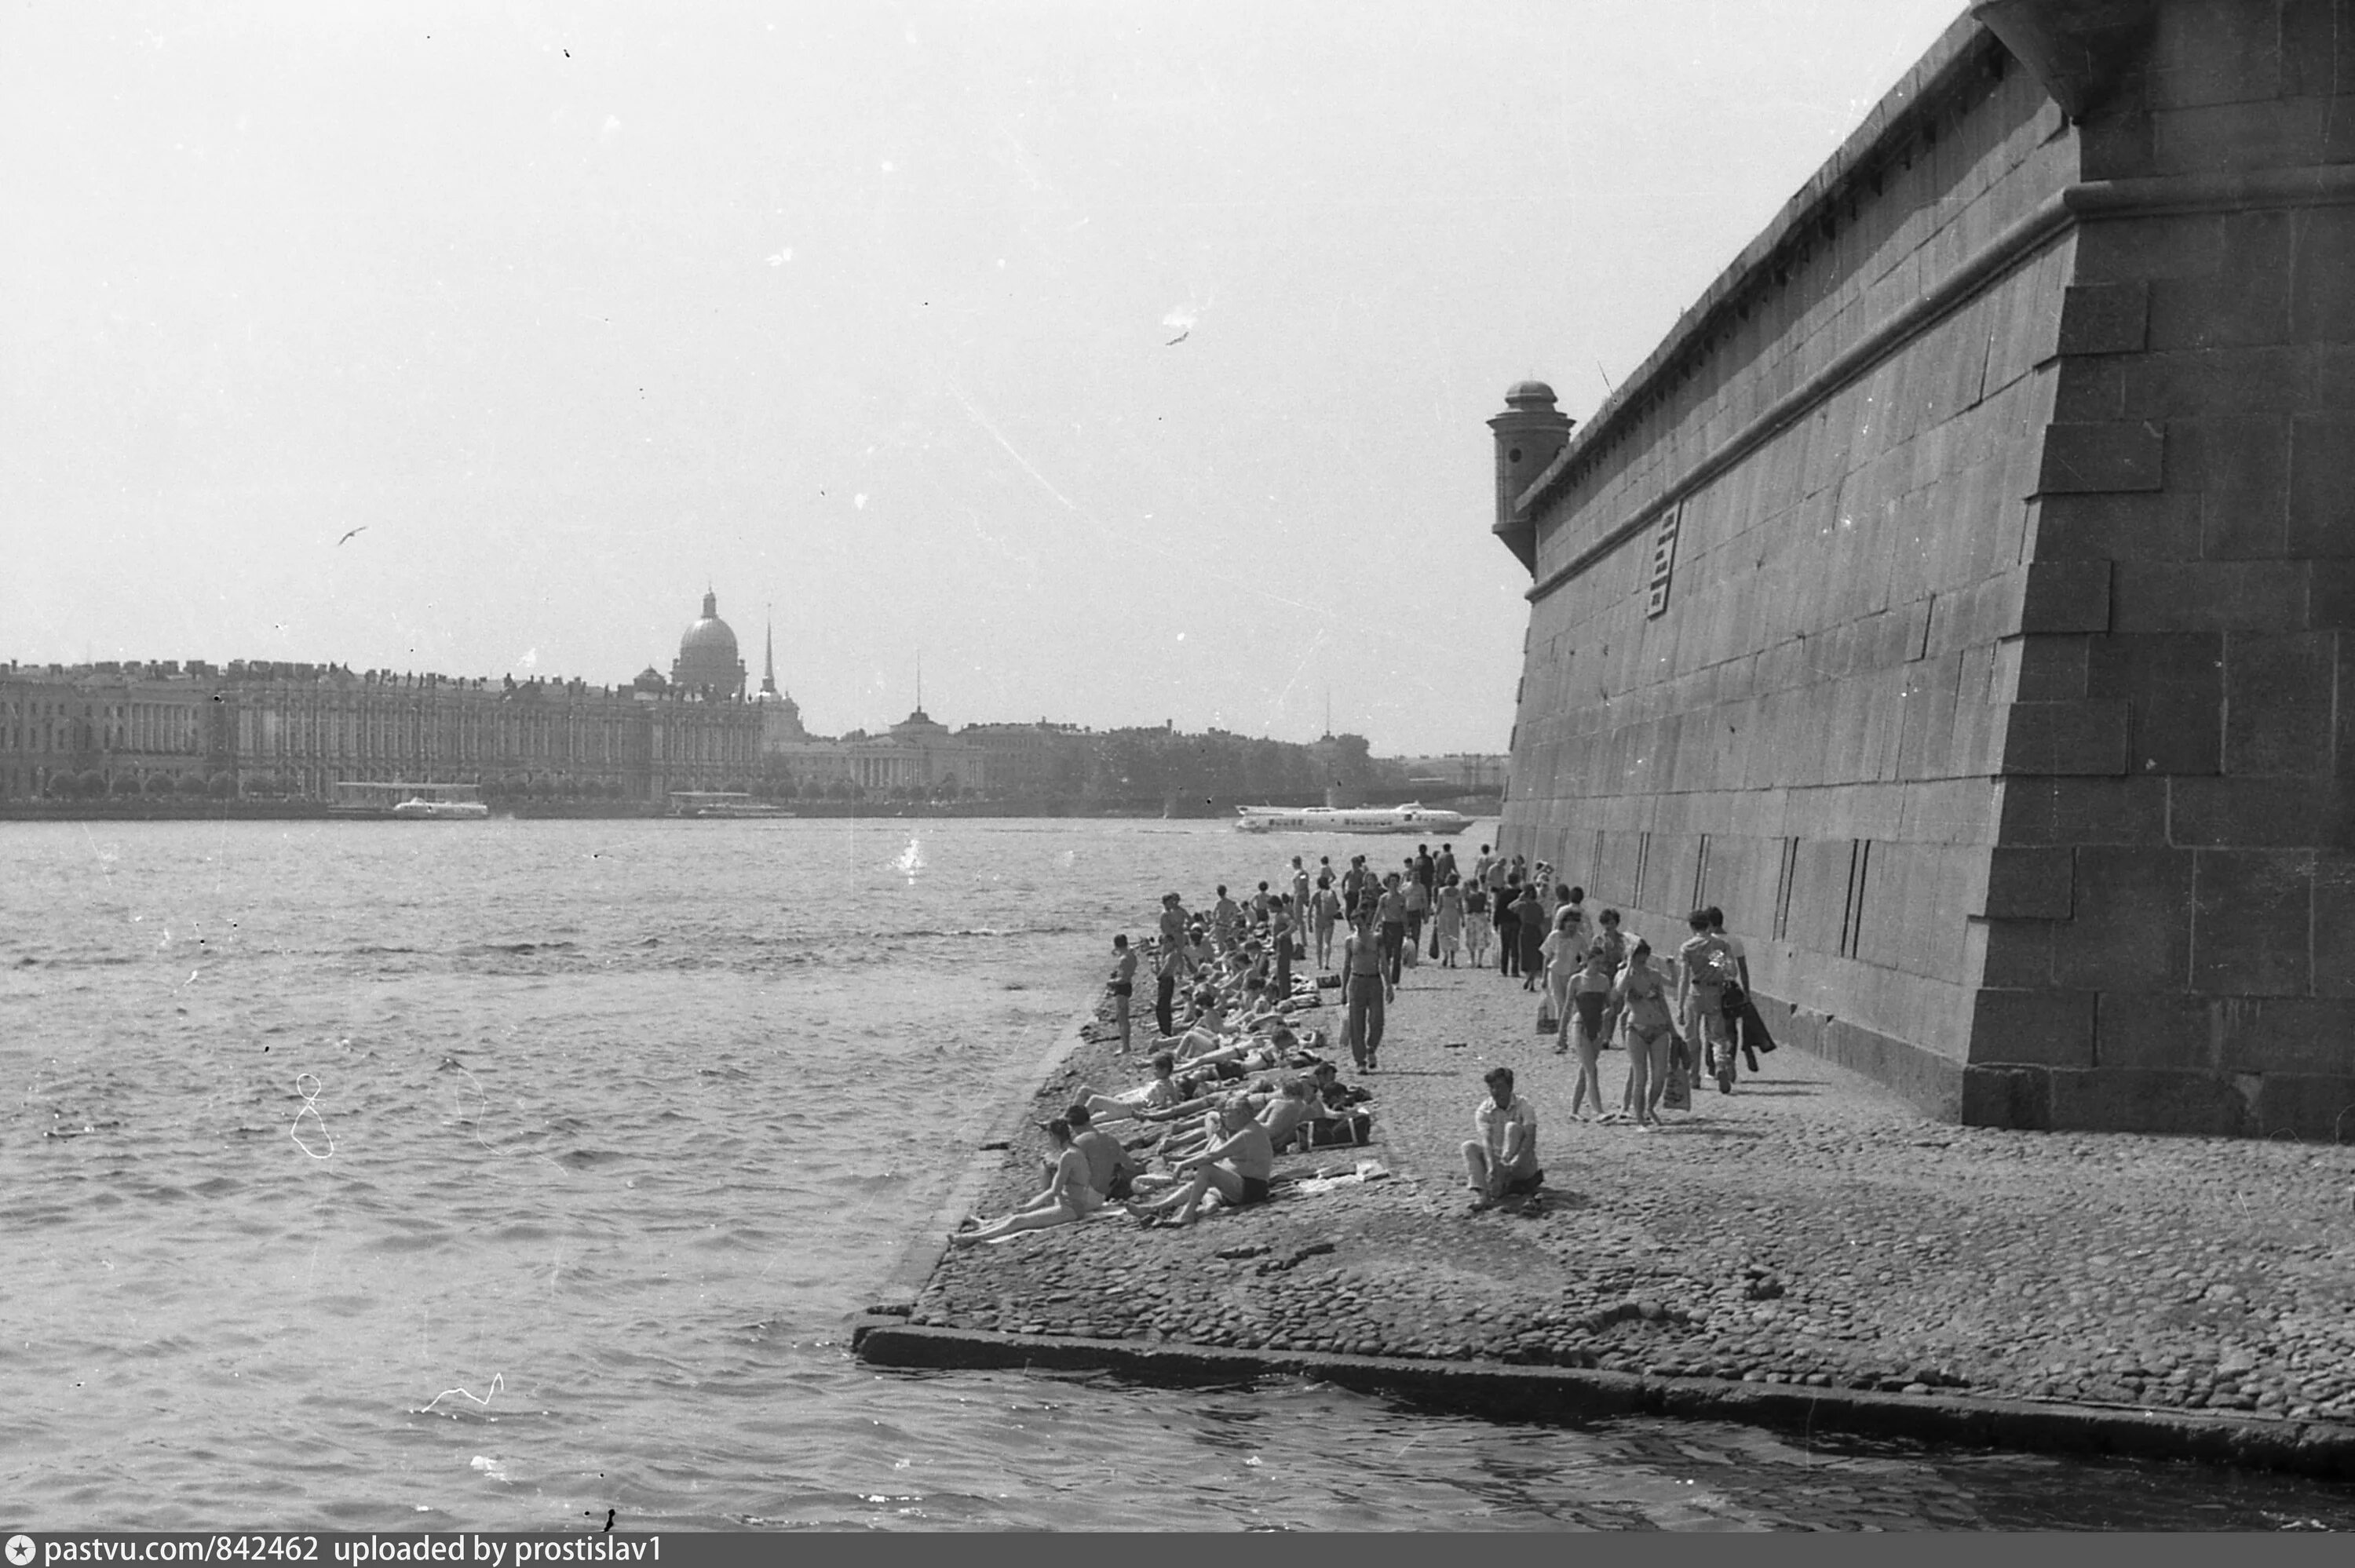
2207, 383
2306, 1105
2322, 519
2129, 1100
2034, 1028
2028, 884
2066, 596
2175, 684
2290, 812
2132, 926
2105, 318
2081, 738
2283, 1034
2218, 595
2250, 914
2153, 1029
2334, 922
2241, 468
2153, 526
2322, 299
2238, 137
2330, 593
2214, 54
2065, 810
2245, 301
2277, 701
2317, 47
2016, 1099
2109, 456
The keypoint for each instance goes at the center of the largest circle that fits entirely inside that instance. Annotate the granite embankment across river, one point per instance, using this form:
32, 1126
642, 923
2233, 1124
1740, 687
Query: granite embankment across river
1804, 1252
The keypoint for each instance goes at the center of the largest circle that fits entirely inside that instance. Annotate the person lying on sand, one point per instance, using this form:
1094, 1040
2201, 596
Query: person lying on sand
1068, 1196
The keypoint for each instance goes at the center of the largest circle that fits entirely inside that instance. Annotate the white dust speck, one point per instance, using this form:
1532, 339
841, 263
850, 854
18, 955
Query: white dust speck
860, 501
782, 257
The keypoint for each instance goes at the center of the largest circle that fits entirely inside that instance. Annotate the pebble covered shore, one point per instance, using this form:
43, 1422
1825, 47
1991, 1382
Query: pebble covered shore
1806, 1229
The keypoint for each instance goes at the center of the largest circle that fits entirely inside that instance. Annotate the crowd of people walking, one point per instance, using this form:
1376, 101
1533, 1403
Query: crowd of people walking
1225, 991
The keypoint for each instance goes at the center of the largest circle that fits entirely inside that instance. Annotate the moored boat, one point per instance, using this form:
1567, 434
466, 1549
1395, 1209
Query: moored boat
416, 809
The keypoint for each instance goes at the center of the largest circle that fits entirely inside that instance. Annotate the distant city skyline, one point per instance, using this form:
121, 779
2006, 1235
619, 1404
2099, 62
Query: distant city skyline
1132, 363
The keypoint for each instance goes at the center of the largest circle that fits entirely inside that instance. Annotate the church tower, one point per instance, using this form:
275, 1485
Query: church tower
781, 716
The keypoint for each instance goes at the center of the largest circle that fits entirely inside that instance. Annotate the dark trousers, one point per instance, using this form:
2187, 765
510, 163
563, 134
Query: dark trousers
1414, 928
1393, 944
1509, 946
1164, 991
1362, 1032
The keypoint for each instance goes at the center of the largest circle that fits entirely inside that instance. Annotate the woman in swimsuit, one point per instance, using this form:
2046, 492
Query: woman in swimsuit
1068, 1196
1642, 998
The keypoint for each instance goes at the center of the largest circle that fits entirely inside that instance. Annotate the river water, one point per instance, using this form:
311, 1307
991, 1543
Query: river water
376, 1175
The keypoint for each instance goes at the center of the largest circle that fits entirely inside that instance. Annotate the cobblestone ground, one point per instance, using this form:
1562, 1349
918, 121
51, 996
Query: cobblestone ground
1807, 1228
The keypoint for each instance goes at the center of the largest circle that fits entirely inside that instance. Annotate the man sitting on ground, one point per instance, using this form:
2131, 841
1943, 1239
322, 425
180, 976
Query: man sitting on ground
1503, 1161
1238, 1169
1111, 1167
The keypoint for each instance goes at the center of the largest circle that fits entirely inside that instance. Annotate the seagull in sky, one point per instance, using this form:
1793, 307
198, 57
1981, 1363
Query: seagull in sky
346, 538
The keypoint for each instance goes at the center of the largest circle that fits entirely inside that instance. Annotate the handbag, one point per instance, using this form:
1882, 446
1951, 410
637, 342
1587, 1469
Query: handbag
1411, 954
1547, 1022
1678, 1094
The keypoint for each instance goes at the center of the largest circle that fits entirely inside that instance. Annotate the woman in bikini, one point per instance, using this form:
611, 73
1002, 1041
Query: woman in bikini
1641, 996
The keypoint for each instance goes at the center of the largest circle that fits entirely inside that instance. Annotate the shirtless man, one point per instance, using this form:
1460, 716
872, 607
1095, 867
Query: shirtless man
1237, 1168
1111, 1167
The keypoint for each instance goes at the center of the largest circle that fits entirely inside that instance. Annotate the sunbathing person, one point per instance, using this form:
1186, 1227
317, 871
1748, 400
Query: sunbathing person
1161, 1092
1068, 1196
1236, 1168
1210, 1031
1111, 1169
1279, 1107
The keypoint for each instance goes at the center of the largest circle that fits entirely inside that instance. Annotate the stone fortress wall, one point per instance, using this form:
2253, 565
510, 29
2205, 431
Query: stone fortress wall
1962, 594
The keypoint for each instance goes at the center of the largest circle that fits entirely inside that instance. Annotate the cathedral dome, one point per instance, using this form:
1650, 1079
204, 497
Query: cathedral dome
706, 655
709, 635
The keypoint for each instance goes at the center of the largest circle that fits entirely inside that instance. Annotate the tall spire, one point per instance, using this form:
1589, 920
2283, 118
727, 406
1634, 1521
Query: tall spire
769, 660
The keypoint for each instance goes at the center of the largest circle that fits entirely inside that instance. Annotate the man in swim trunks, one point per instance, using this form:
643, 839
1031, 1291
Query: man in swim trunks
1237, 1168
1111, 1167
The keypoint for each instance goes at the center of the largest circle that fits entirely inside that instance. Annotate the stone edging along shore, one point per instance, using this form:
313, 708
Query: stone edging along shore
1190, 1308
1544, 1392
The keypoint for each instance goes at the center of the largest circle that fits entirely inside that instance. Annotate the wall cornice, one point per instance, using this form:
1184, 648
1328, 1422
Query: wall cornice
2322, 184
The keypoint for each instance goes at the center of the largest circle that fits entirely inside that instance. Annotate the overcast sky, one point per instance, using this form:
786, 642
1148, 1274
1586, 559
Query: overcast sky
864, 311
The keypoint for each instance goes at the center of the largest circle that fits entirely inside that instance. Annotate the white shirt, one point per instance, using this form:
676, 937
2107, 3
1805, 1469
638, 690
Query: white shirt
1495, 1125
